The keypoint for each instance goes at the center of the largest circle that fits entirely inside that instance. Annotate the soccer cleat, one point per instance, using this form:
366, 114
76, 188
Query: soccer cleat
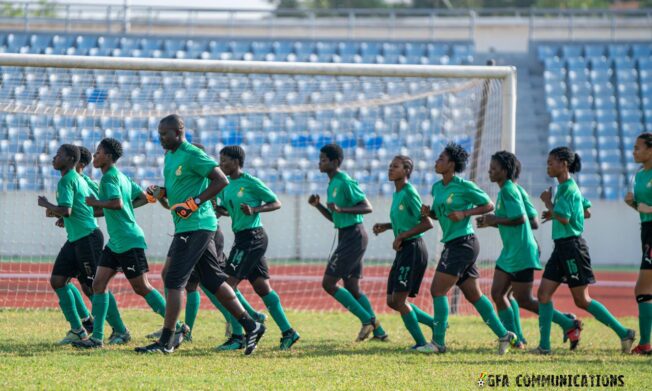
505, 342
74, 336
427, 348
627, 342
571, 316
573, 335
188, 337
119, 338
155, 347
155, 335
252, 338
180, 335
381, 338
541, 351
365, 330
288, 339
236, 342
643, 349
438, 348
520, 345
88, 324
90, 343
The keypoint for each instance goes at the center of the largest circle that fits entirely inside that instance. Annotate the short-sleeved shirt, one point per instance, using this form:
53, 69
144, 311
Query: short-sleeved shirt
344, 192
246, 189
530, 210
458, 195
405, 213
586, 203
643, 192
520, 250
568, 204
72, 191
186, 173
92, 185
124, 232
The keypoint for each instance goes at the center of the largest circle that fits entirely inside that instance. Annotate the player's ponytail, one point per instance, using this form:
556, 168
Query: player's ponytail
575, 165
565, 154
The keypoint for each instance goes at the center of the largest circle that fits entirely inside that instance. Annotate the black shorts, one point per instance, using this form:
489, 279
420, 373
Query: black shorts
646, 245
247, 258
458, 258
193, 281
190, 250
526, 275
570, 263
409, 266
346, 261
79, 259
132, 262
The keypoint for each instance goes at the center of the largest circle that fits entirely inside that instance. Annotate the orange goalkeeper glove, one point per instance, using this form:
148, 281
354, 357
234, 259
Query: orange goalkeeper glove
154, 193
185, 209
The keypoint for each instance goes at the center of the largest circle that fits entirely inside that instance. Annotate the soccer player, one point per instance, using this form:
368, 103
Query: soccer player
411, 259
192, 179
641, 200
455, 200
79, 255
346, 203
520, 255
570, 262
244, 199
125, 251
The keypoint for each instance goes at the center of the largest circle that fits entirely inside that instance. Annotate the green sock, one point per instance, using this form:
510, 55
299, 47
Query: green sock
412, 325
193, 300
486, 310
100, 309
113, 317
236, 328
366, 304
440, 304
507, 319
250, 310
517, 319
562, 320
645, 321
79, 302
67, 304
350, 303
422, 316
156, 302
602, 314
273, 304
545, 323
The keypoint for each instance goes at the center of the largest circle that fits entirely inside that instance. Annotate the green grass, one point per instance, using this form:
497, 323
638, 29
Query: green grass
325, 358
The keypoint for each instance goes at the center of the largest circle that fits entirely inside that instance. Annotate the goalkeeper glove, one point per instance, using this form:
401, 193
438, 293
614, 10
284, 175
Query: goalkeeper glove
185, 209
154, 193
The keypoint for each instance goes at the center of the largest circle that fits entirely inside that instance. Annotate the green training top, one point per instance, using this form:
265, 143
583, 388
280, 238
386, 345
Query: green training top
643, 192
186, 173
568, 204
72, 191
344, 192
124, 232
246, 189
530, 210
92, 185
458, 195
520, 250
405, 213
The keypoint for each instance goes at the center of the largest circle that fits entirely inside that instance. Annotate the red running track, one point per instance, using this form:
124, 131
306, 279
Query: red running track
25, 285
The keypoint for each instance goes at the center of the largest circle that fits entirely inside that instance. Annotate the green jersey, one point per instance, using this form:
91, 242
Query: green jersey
72, 191
186, 173
124, 232
520, 250
344, 192
568, 204
586, 204
643, 192
249, 190
405, 213
530, 210
457, 195
92, 185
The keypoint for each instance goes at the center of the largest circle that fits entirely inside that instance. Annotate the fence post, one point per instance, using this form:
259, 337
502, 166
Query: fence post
26, 16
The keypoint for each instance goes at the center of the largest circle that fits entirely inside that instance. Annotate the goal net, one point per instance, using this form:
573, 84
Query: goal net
281, 113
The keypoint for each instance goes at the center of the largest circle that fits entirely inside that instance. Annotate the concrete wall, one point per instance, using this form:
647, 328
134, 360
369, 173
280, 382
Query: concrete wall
299, 231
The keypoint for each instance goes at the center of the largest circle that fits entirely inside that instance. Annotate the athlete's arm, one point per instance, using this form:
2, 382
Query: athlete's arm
268, 207
114, 203
218, 182
314, 201
460, 215
140, 200
60, 211
361, 208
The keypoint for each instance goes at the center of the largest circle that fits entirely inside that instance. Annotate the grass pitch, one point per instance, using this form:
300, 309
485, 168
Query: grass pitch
325, 358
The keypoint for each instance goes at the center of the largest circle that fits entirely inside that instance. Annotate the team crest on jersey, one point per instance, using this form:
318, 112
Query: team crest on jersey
241, 192
178, 171
401, 207
449, 200
499, 204
335, 192
649, 184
